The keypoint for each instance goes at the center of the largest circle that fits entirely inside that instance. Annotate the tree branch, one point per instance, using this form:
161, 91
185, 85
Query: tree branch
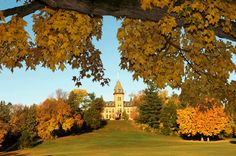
125, 8
116, 8
23, 10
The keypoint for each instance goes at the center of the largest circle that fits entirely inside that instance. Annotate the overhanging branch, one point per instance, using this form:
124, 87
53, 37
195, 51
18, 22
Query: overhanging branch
117, 8
23, 10
125, 8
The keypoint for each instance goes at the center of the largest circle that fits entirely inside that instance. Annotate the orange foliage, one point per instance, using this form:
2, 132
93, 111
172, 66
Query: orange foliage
211, 121
55, 115
137, 101
4, 128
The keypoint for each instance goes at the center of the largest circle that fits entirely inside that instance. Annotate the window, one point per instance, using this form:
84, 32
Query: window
106, 116
106, 110
109, 110
119, 98
113, 110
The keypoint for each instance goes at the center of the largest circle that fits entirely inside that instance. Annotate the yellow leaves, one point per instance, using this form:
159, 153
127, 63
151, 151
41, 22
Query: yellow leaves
51, 115
210, 122
68, 124
148, 4
197, 5
80, 93
13, 42
177, 9
209, 36
227, 26
120, 33
65, 37
213, 18
167, 24
146, 52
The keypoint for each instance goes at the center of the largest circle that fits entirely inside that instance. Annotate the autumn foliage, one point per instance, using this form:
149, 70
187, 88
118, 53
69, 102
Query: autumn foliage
25, 126
55, 118
208, 122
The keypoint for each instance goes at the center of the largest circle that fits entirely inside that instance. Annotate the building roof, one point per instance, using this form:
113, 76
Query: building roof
109, 104
118, 88
128, 104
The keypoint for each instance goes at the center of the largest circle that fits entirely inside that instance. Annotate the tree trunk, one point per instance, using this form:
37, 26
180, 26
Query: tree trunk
208, 139
202, 139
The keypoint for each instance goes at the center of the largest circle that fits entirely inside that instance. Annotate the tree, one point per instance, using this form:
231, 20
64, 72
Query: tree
17, 126
92, 116
168, 119
136, 102
150, 109
92, 119
124, 115
55, 119
209, 121
5, 111
61, 95
168, 42
4, 130
28, 129
75, 99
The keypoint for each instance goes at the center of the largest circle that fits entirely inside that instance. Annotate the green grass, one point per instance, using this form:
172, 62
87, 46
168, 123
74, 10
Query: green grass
120, 138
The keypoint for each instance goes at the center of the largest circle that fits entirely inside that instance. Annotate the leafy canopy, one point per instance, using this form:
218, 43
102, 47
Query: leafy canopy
180, 46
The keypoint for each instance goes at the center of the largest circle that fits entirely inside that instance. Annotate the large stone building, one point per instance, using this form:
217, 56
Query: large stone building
115, 109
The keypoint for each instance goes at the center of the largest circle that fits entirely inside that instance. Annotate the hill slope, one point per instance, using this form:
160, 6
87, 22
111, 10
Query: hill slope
120, 138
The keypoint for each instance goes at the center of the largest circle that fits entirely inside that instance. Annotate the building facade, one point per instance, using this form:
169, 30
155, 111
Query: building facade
114, 110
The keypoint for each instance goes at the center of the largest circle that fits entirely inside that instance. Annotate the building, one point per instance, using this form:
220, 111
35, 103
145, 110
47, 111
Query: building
115, 109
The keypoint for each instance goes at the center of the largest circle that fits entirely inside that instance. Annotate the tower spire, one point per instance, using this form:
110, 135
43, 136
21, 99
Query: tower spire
118, 88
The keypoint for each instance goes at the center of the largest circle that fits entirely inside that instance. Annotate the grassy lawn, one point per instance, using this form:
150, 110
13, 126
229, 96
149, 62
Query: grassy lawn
120, 138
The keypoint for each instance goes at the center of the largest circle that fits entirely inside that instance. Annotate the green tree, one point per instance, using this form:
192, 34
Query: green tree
124, 115
75, 99
92, 116
168, 119
29, 135
98, 104
150, 109
5, 111
4, 122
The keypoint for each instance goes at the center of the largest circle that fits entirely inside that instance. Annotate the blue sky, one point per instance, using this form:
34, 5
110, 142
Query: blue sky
28, 87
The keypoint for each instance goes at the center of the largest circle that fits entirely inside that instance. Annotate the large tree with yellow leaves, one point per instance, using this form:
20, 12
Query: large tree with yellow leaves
173, 43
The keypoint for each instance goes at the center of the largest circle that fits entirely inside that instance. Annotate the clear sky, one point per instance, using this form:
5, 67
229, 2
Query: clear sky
27, 87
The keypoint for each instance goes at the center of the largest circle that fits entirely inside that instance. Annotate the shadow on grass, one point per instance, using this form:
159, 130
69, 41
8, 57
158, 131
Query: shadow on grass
13, 147
233, 141
12, 154
86, 129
